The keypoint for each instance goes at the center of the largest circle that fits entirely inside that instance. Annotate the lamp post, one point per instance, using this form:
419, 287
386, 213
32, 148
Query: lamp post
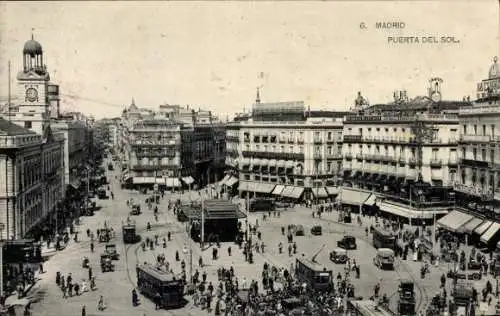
2, 227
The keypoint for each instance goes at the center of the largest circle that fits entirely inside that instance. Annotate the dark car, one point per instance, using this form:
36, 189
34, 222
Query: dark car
299, 230
347, 242
316, 230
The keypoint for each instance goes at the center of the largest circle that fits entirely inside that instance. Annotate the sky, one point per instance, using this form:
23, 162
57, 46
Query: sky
214, 55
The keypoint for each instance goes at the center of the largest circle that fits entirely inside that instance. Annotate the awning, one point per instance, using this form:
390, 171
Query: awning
232, 181
469, 227
223, 181
483, 227
288, 191
290, 164
332, 190
264, 162
261, 187
454, 220
353, 197
486, 237
297, 192
160, 180
371, 200
278, 189
320, 192
143, 180
281, 164
243, 186
406, 213
272, 163
188, 180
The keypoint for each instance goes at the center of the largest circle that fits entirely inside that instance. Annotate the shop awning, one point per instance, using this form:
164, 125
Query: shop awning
469, 227
243, 186
188, 180
454, 220
483, 227
143, 180
264, 162
288, 191
278, 189
486, 237
261, 187
232, 181
371, 200
407, 213
332, 190
160, 180
290, 164
297, 192
353, 197
281, 164
223, 181
320, 192
272, 163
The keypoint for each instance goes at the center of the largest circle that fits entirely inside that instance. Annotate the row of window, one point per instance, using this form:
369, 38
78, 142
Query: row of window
493, 155
483, 130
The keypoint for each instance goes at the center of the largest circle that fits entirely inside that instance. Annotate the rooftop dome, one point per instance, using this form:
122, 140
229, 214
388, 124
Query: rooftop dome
494, 69
32, 47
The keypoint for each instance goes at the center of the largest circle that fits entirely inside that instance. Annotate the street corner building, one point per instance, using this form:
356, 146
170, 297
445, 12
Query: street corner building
31, 153
283, 150
400, 159
173, 148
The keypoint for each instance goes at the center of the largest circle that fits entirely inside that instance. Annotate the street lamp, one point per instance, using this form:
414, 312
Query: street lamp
2, 227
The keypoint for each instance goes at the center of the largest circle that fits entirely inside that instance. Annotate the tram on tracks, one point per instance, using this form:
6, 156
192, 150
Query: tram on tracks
153, 281
367, 308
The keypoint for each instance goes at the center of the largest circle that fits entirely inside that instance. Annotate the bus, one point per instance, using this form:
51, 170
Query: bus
313, 274
152, 280
367, 308
383, 238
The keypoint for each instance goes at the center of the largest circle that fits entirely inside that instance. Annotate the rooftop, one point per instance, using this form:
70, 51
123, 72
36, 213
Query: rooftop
10, 129
420, 103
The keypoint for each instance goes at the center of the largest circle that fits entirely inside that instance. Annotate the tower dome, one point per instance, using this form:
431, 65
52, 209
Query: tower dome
32, 47
494, 69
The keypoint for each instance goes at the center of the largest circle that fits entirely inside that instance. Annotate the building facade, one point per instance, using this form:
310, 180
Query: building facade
401, 158
33, 113
172, 148
285, 151
478, 181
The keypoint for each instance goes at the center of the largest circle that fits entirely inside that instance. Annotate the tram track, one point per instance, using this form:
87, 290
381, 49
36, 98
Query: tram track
423, 301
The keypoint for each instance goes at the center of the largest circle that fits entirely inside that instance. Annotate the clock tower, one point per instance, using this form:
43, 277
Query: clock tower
32, 87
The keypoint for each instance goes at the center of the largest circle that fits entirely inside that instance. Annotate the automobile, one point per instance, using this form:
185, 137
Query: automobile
106, 263
299, 230
339, 255
136, 209
347, 242
110, 249
384, 258
316, 230
102, 194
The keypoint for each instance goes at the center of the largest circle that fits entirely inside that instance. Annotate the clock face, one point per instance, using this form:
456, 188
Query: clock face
31, 94
436, 97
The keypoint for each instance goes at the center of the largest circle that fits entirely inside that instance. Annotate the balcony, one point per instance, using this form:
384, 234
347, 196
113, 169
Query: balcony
452, 161
435, 163
318, 141
317, 156
273, 155
352, 138
234, 139
478, 191
402, 161
412, 162
359, 157
474, 163
335, 156
156, 167
348, 156
155, 143
475, 138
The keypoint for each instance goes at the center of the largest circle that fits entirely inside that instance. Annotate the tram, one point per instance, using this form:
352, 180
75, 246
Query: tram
314, 274
367, 308
383, 238
152, 280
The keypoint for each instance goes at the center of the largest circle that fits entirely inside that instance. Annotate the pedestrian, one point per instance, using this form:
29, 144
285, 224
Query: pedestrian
84, 311
100, 304
229, 251
90, 273
200, 262
157, 301
77, 289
